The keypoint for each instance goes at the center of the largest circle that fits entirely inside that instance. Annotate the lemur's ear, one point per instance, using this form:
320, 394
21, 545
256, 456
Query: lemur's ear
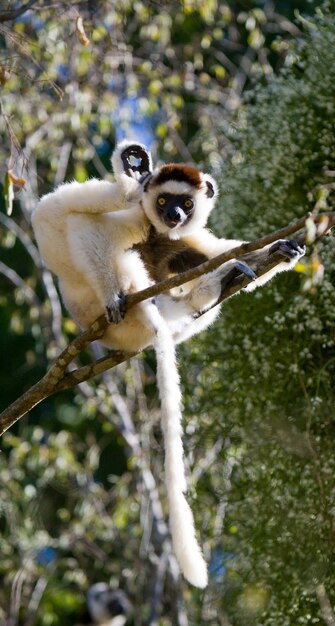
131, 158
210, 189
211, 186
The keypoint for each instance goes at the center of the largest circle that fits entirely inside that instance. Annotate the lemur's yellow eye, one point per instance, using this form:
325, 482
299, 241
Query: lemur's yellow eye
161, 201
188, 203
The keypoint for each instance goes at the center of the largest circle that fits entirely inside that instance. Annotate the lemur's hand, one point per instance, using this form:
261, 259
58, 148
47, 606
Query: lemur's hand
115, 309
289, 248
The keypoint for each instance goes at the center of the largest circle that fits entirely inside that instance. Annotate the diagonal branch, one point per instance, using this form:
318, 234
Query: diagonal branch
12, 14
57, 378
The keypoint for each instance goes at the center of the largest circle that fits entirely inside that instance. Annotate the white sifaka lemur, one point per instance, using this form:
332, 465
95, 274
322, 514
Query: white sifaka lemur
106, 240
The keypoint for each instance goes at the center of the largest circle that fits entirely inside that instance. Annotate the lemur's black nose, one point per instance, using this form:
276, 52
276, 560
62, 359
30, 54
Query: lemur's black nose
175, 214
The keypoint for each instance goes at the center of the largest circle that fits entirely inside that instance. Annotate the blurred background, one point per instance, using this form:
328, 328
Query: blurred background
246, 91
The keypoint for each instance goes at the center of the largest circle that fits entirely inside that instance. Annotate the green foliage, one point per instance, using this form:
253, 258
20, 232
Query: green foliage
168, 73
291, 171
58, 523
273, 356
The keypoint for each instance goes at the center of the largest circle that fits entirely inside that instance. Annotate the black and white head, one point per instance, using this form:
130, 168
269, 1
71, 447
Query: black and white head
178, 199
108, 606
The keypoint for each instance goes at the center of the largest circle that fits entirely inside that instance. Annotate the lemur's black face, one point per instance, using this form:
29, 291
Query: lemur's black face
174, 209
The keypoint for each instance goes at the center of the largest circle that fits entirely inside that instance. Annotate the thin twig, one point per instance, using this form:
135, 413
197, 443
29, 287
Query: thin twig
26, 241
63, 162
16, 280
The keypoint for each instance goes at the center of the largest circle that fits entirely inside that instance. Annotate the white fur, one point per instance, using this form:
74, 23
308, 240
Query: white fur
184, 541
85, 233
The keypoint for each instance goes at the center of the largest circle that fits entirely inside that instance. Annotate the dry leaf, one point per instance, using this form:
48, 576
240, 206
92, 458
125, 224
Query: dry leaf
84, 40
17, 181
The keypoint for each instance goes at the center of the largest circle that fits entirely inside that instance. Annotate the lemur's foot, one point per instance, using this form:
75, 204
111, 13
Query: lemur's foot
235, 270
116, 309
289, 248
210, 286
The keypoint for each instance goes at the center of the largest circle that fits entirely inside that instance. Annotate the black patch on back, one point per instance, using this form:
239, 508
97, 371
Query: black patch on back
186, 260
163, 256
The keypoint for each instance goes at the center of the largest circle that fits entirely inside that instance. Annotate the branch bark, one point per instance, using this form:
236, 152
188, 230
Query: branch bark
58, 378
6, 16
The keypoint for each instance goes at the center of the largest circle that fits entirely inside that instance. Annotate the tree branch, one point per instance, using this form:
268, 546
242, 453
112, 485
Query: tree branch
6, 16
57, 378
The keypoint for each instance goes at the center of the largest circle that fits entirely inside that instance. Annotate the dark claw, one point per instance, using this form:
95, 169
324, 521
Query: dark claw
236, 270
289, 248
116, 310
135, 159
245, 269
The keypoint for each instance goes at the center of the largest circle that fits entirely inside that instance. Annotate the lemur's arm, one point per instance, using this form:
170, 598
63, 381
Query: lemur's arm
206, 290
211, 246
93, 196
129, 161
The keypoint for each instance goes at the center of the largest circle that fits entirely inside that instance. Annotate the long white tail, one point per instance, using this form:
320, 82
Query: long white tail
184, 542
